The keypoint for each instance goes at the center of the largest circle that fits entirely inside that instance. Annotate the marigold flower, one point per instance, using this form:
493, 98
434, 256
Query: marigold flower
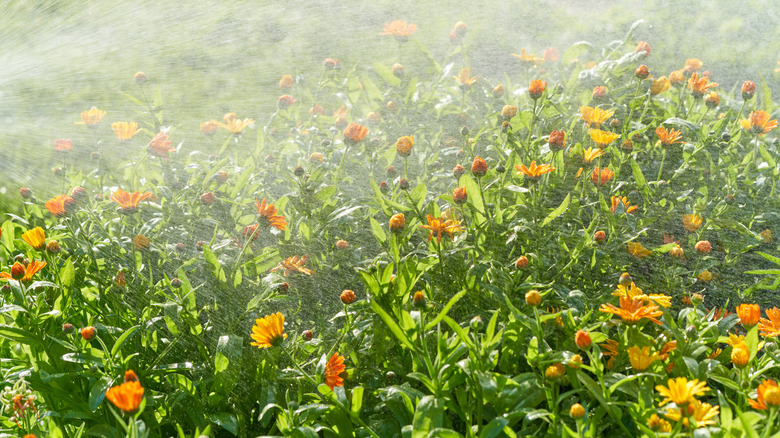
268, 331
533, 297
749, 314
439, 226
767, 387
660, 85
668, 137
582, 339
508, 111
748, 90
63, 145
403, 146
333, 368
128, 202
125, 131
770, 326
399, 29
599, 92
594, 116
637, 250
160, 146
703, 246
600, 236
521, 262
235, 125
127, 396
347, 296
24, 273
293, 264
458, 32
601, 176
536, 88
534, 172
577, 411
677, 251
286, 82
740, 355
35, 238
622, 201
658, 424
465, 79
60, 205
676, 78
703, 414
140, 78
459, 195
92, 117
681, 391
643, 47
642, 72
700, 86
758, 123
591, 154
602, 138
285, 101
691, 222
641, 358
575, 362
267, 214
397, 223
529, 60
479, 167
141, 242
555, 371
354, 133
712, 100
88, 333
342, 244
633, 310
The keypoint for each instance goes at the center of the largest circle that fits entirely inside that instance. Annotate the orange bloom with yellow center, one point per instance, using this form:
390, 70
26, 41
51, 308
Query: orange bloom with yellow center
637, 250
691, 222
618, 201
758, 123
767, 394
633, 310
528, 59
749, 314
268, 213
534, 172
464, 77
128, 202
536, 88
30, 270
60, 205
440, 226
92, 117
125, 131
294, 264
681, 391
127, 396
268, 331
354, 133
668, 137
333, 368
35, 238
601, 176
700, 86
770, 326
591, 154
235, 125
594, 116
399, 29
160, 146
602, 138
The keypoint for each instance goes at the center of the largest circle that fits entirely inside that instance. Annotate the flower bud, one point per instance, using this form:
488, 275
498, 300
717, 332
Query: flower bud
703, 246
600, 236
599, 93
286, 83
307, 335
398, 70
342, 244
331, 64
555, 371
68, 328
53, 247
348, 296
285, 101
140, 78
459, 195
625, 279
221, 177
175, 282
208, 198
476, 323
748, 90
419, 300
498, 91
582, 339
642, 72
509, 111
557, 140
458, 171
397, 223
88, 333
521, 262
299, 171
383, 187
479, 167
643, 47
17, 271
403, 184
533, 298
390, 376
577, 411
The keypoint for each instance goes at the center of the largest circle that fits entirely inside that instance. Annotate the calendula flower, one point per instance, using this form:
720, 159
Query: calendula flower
660, 85
610, 348
676, 78
633, 310
29, 271
691, 222
464, 78
622, 201
712, 100
703, 414
267, 213
534, 172
644, 47
268, 331
125, 131
333, 368
160, 146
602, 138
591, 154
667, 349
766, 388
235, 125
641, 358
668, 137
692, 65
399, 29
681, 391
700, 86
557, 140
397, 223
601, 176
555, 371
582, 339
440, 226
637, 250
770, 326
141, 242
529, 60
705, 276
594, 116
536, 88
63, 145
128, 202
758, 123
92, 117
35, 238
715, 353
658, 424
127, 396
354, 133
749, 314
210, 127
740, 355
748, 89
403, 146
630, 290
294, 264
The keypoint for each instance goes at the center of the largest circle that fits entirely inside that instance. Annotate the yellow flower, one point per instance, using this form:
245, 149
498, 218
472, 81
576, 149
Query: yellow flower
660, 85
594, 116
633, 310
758, 123
125, 131
536, 88
680, 391
691, 222
141, 242
555, 371
740, 355
703, 414
630, 290
268, 331
534, 172
659, 424
668, 137
440, 225
92, 117
235, 125
591, 154
705, 276
464, 77
530, 60
602, 138
35, 238
637, 250
641, 358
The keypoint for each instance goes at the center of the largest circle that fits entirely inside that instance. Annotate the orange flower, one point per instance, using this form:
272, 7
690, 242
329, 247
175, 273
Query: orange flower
440, 226
660, 85
601, 176
235, 125
63, 145
404, 145
668, 137
594, 116
334, 367
557, 140
354, 133
397, 223
60, 205
459, 195
125, 131
591, 154
637, 250
691, 222
128, 202
676, 78
610, 348
633, 310
294, 264
643, 46
534, 172
667, 349
618, 201
92, 117
479, 167
700, 86
268, 331
399, 29
464, 77
161, 146
602, 138
529, 60
268, 213
210, 127
770, 326
758, 123
692, 65
126, 396
582, 339
749, 314
762, 402
30, 270
536, 88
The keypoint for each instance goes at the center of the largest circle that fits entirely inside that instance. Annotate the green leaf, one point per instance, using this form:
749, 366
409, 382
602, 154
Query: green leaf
18, 335
98, 392
441, 432
393, 326
428, 416
225, 420
378, 231
357, 401
455, 298
558, 211
67, 274
494, 428
125, 336
214, 265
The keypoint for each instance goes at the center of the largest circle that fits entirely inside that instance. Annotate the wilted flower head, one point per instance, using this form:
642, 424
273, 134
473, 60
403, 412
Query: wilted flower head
458, 32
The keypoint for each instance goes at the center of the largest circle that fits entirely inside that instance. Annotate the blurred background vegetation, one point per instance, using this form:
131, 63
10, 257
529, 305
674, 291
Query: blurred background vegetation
61, 57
